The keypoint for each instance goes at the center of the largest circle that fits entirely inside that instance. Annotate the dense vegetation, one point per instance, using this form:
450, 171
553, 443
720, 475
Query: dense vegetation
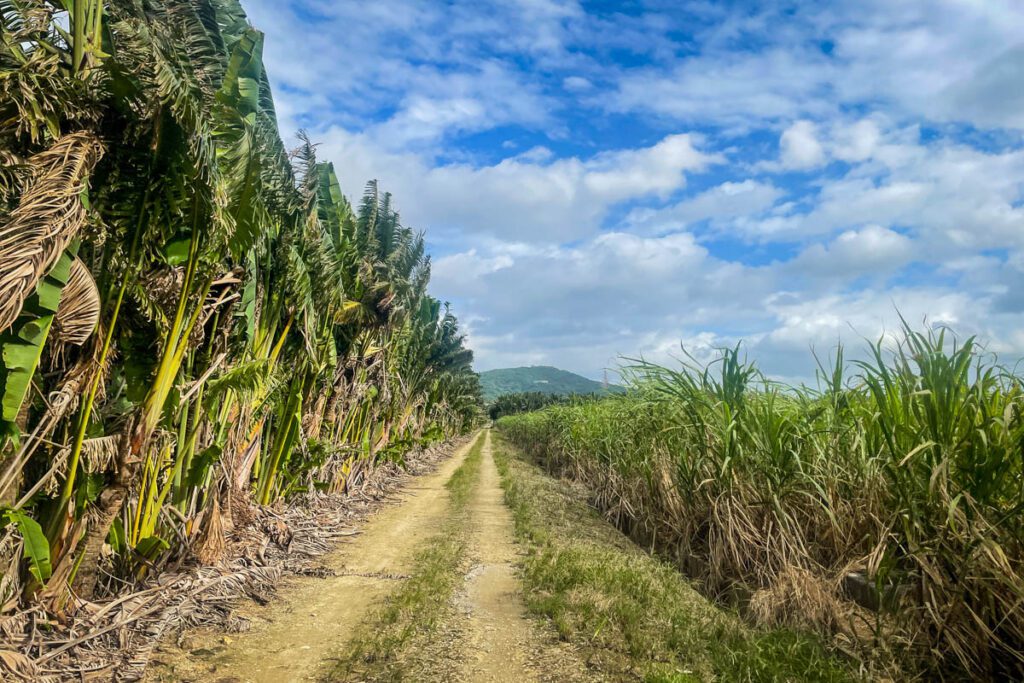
635, 616
512, 404
908, 474
540, 379
192, 319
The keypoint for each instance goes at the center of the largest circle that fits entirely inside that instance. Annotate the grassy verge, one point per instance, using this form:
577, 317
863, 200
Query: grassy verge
640, 618
380, 649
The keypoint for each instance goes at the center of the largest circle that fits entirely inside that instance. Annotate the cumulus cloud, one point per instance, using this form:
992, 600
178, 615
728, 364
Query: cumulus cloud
952, 196
799, 146
857, 141
656, 169
728, 200
872, 250
525, 197
582, 306
944, 60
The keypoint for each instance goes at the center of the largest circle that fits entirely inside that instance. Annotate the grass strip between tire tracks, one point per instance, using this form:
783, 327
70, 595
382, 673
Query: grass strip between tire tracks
380, 650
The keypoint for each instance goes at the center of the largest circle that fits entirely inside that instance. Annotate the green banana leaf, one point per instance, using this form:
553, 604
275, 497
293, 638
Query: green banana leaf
37, 548
22, 345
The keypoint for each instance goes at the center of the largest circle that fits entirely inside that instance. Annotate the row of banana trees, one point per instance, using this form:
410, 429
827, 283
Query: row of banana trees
193, 319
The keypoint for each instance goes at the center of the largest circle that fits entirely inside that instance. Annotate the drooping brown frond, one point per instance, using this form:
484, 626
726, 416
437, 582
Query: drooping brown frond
79, 310
13, 171
99, 453
46, 219
211, 543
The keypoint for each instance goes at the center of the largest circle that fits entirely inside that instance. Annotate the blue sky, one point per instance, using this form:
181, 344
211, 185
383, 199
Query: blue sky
606, 178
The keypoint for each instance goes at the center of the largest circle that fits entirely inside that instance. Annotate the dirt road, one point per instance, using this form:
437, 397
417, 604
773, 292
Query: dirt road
298, 635
499, 640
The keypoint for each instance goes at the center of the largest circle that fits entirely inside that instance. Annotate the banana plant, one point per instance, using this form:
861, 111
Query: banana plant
211, 322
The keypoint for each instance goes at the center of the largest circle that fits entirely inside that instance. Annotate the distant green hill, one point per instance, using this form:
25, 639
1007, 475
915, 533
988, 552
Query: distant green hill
542, 378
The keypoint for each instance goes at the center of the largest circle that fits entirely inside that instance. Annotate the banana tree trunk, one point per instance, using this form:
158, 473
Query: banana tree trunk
317, 416
136, 438
108, 507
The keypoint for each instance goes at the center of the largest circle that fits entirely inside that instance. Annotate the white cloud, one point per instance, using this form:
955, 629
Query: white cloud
459, 271
868, 315
583, 306
872, 250
408, 72
949, 60
731, 89
799, 146
946, 60
652, 170
524, 198
728, 200
991, 96
856, 142
951, 195
576, 83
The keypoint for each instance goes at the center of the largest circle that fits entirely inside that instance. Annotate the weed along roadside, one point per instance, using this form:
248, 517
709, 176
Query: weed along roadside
459, 616
392, 642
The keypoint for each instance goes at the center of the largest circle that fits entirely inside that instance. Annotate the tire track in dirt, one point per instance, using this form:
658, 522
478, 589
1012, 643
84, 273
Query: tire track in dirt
297, 635
500, 642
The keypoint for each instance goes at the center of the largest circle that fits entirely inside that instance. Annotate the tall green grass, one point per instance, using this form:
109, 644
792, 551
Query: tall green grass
905, 469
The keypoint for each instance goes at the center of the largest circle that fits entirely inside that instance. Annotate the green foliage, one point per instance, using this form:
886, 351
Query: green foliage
907, 471
631, 612
247, 311
21, 346
37, 550
512, 404
539, 379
